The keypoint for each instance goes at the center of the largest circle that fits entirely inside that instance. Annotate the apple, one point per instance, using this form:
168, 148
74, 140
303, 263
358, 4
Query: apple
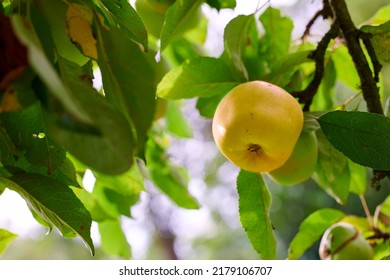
302, 162
256, 126
342, 241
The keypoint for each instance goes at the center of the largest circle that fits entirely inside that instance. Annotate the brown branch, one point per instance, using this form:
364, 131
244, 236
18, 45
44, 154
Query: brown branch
368, 79
325, 12
318, 55
351, 36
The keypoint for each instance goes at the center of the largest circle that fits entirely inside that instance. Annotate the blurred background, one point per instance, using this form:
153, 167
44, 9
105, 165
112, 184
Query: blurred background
161, 230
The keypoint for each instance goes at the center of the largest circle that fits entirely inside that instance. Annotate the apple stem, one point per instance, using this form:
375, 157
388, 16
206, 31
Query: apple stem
366, 210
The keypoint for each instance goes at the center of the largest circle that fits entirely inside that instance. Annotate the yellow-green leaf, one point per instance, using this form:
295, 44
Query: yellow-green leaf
79, 20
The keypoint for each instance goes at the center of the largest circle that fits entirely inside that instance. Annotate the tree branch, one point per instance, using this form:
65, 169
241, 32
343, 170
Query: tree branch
368, 79
325, 12
318, 55
351, 36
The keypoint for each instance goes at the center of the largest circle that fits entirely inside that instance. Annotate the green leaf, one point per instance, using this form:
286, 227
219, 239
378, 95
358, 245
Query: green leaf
199, 77
98, 6
7, 148
342, 60
59, 33
111, 149
56, 204
361, 136
116, 194
98, 213
382, 251
385, 206
128, 20
6, 238
113, 239
323, 99
360, 223
332, 170
380, 40
381, 44
65, 173
153, 16
381, 16
376, 29
177, 16
207, 106
287, 64
176, 121
181, 50
2, 187
167, 177
28, 132
222, 4
7, 183
384, 212
129, 84
45, 70
235, 40
276, 41
358, 178
254, 203
311, 229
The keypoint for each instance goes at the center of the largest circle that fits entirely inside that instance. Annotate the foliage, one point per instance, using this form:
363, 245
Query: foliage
56, 124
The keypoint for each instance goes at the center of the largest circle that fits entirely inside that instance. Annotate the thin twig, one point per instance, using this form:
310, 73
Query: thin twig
366, 210
318, 55
351, 36
325, 12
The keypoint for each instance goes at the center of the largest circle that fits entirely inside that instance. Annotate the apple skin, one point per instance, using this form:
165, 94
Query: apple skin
302, 162
342, 241
256, 126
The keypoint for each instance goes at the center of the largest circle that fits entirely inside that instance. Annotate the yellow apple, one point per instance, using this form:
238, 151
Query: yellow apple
256, 126
343, 241
302, 162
